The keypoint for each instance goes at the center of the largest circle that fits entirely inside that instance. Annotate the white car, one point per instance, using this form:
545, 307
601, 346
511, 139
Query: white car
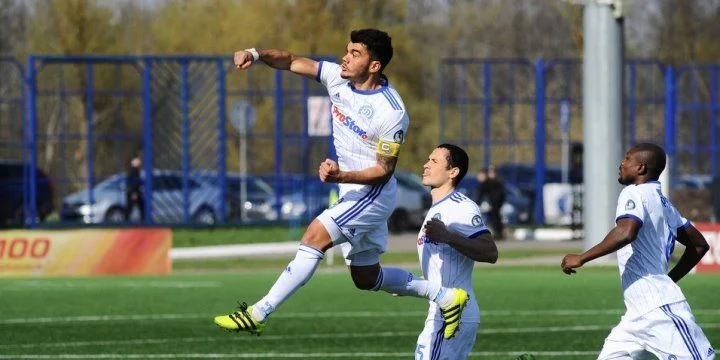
168, 201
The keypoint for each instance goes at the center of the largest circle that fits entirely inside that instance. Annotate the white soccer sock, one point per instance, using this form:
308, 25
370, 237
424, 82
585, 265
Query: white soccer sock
402, 282
298, 272
445, 297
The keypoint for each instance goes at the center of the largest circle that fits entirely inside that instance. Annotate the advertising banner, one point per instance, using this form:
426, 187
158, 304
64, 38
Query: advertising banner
85, 252
711, 261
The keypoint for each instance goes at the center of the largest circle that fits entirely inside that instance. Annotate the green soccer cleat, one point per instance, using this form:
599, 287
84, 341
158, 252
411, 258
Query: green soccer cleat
452, 312
240, 321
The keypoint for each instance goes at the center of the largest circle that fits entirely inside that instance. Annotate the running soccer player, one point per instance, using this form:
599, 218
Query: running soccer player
453, 238
369, 125
658, 319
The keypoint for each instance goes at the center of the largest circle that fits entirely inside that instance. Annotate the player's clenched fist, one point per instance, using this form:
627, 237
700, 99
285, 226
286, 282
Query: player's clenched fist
570, 262
435, 230
243, 59
329, 171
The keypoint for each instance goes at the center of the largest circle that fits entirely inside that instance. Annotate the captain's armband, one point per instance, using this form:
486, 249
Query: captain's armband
388, 148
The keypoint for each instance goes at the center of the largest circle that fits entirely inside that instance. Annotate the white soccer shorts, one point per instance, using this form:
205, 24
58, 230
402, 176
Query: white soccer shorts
668, 333
432, 345
358, 223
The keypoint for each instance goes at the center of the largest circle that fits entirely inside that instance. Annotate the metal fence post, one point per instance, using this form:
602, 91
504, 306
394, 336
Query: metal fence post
539, 139
222, 137
441, 105
631, 103
670, 117
89, 115
147, 140
714, 108
185, 144
487, 103
278, 141
32, 139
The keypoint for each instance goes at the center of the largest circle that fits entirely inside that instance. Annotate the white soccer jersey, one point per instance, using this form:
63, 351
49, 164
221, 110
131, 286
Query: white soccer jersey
441, 263
644, 263
363, 122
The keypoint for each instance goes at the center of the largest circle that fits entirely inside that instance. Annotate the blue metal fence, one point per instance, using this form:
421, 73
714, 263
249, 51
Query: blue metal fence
80, 118
540, 102
695, 103
87, 115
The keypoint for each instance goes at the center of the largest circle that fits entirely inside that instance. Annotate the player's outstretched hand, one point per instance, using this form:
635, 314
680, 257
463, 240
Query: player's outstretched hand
242, 59
435, 230
329, 171
570, 262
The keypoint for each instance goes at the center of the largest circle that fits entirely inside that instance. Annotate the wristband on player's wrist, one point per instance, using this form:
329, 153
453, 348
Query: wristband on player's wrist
255, 54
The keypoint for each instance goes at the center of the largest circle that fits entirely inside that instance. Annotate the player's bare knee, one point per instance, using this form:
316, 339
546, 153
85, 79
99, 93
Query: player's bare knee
317, 237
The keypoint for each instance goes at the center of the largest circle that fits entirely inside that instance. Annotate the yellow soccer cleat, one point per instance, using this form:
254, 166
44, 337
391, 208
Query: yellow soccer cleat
451, 313
240, 320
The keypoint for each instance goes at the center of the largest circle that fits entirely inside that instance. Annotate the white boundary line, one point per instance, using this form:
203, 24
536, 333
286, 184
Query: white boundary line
266, 338
312, 315
234, 251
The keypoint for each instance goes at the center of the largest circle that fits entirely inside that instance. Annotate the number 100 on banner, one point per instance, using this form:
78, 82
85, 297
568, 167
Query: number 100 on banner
85, 252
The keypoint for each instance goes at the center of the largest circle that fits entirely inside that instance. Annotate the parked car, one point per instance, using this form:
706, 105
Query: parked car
305, 198
412, 202
301, 198
204, 200
515, 210
249, 206
523, 176
13, 191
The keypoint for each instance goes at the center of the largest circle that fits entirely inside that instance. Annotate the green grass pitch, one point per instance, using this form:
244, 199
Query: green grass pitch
536, 310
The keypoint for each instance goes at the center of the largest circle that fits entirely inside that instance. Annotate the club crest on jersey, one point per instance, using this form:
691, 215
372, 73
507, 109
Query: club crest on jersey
399, 136
349, 122
629, 205
437, 216
366, 111
477, 220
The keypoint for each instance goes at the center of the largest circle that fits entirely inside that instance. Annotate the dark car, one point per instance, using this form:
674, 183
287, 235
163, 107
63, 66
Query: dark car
13, 176
515, 210
523, 176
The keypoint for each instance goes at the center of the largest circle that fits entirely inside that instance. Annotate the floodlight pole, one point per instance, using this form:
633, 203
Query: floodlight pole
603, 62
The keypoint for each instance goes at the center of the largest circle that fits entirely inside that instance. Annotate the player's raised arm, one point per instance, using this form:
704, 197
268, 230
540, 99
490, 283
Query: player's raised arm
695, 248
277, 59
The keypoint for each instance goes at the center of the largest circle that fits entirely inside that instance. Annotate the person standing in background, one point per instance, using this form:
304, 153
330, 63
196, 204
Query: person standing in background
492, 190
133, 189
